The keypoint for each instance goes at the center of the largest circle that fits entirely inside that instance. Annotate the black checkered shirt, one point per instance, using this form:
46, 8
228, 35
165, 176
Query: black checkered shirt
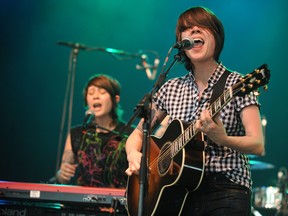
179, 98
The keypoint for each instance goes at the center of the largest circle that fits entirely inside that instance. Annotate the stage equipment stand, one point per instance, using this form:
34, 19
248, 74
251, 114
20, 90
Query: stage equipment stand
68, 98
282, 184
143, 110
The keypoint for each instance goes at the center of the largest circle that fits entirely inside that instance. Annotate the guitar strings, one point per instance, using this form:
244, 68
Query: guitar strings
167, 151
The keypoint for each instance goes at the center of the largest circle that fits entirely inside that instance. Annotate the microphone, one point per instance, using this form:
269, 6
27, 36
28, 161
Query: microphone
73, 45
155, 66
88, 120
147, 67
185, 44
145, 64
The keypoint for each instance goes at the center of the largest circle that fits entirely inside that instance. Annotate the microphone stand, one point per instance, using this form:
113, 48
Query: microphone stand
143, 110
69, 89
282, 185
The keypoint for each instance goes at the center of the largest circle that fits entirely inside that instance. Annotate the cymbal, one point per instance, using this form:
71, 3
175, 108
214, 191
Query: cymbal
250, 156
259, 165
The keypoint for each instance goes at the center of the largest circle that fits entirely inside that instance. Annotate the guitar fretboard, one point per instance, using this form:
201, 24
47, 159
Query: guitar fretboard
189, 133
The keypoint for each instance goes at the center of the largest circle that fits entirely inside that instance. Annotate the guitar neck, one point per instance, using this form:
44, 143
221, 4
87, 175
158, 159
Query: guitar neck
190, 132
220, 102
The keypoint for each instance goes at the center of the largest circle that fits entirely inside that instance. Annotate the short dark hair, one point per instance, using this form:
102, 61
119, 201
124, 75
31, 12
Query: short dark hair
112, 86
205, 18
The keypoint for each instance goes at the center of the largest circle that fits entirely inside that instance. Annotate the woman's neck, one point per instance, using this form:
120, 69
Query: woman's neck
202, 73
204, 70
104, 122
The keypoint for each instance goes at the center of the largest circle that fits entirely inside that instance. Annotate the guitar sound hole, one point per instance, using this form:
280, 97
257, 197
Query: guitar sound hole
164, 160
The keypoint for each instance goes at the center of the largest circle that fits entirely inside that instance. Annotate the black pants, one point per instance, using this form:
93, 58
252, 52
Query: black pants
218, 196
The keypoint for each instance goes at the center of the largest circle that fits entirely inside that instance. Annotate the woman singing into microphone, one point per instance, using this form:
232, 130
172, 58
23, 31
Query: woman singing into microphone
95, 156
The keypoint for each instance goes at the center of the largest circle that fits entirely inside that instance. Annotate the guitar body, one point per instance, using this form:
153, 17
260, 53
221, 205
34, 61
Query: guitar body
170, 179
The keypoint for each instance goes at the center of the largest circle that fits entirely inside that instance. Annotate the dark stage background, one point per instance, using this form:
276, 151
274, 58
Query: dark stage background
34, 68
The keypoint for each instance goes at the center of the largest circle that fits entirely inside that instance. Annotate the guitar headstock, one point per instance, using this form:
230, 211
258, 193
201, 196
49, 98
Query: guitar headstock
252, 81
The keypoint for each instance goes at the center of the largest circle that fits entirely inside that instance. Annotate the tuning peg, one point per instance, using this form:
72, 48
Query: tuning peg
258, 81
256, 92
250, 85
265, 88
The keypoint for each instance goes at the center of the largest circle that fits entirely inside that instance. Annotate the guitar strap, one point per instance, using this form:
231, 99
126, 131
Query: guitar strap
219, 86
217, 91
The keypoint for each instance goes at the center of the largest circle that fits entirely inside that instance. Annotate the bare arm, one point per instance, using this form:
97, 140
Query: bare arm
163, 126
251, 143
134, 141
68, 166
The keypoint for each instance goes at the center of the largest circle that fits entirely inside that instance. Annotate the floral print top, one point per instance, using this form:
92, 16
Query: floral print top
101, 158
